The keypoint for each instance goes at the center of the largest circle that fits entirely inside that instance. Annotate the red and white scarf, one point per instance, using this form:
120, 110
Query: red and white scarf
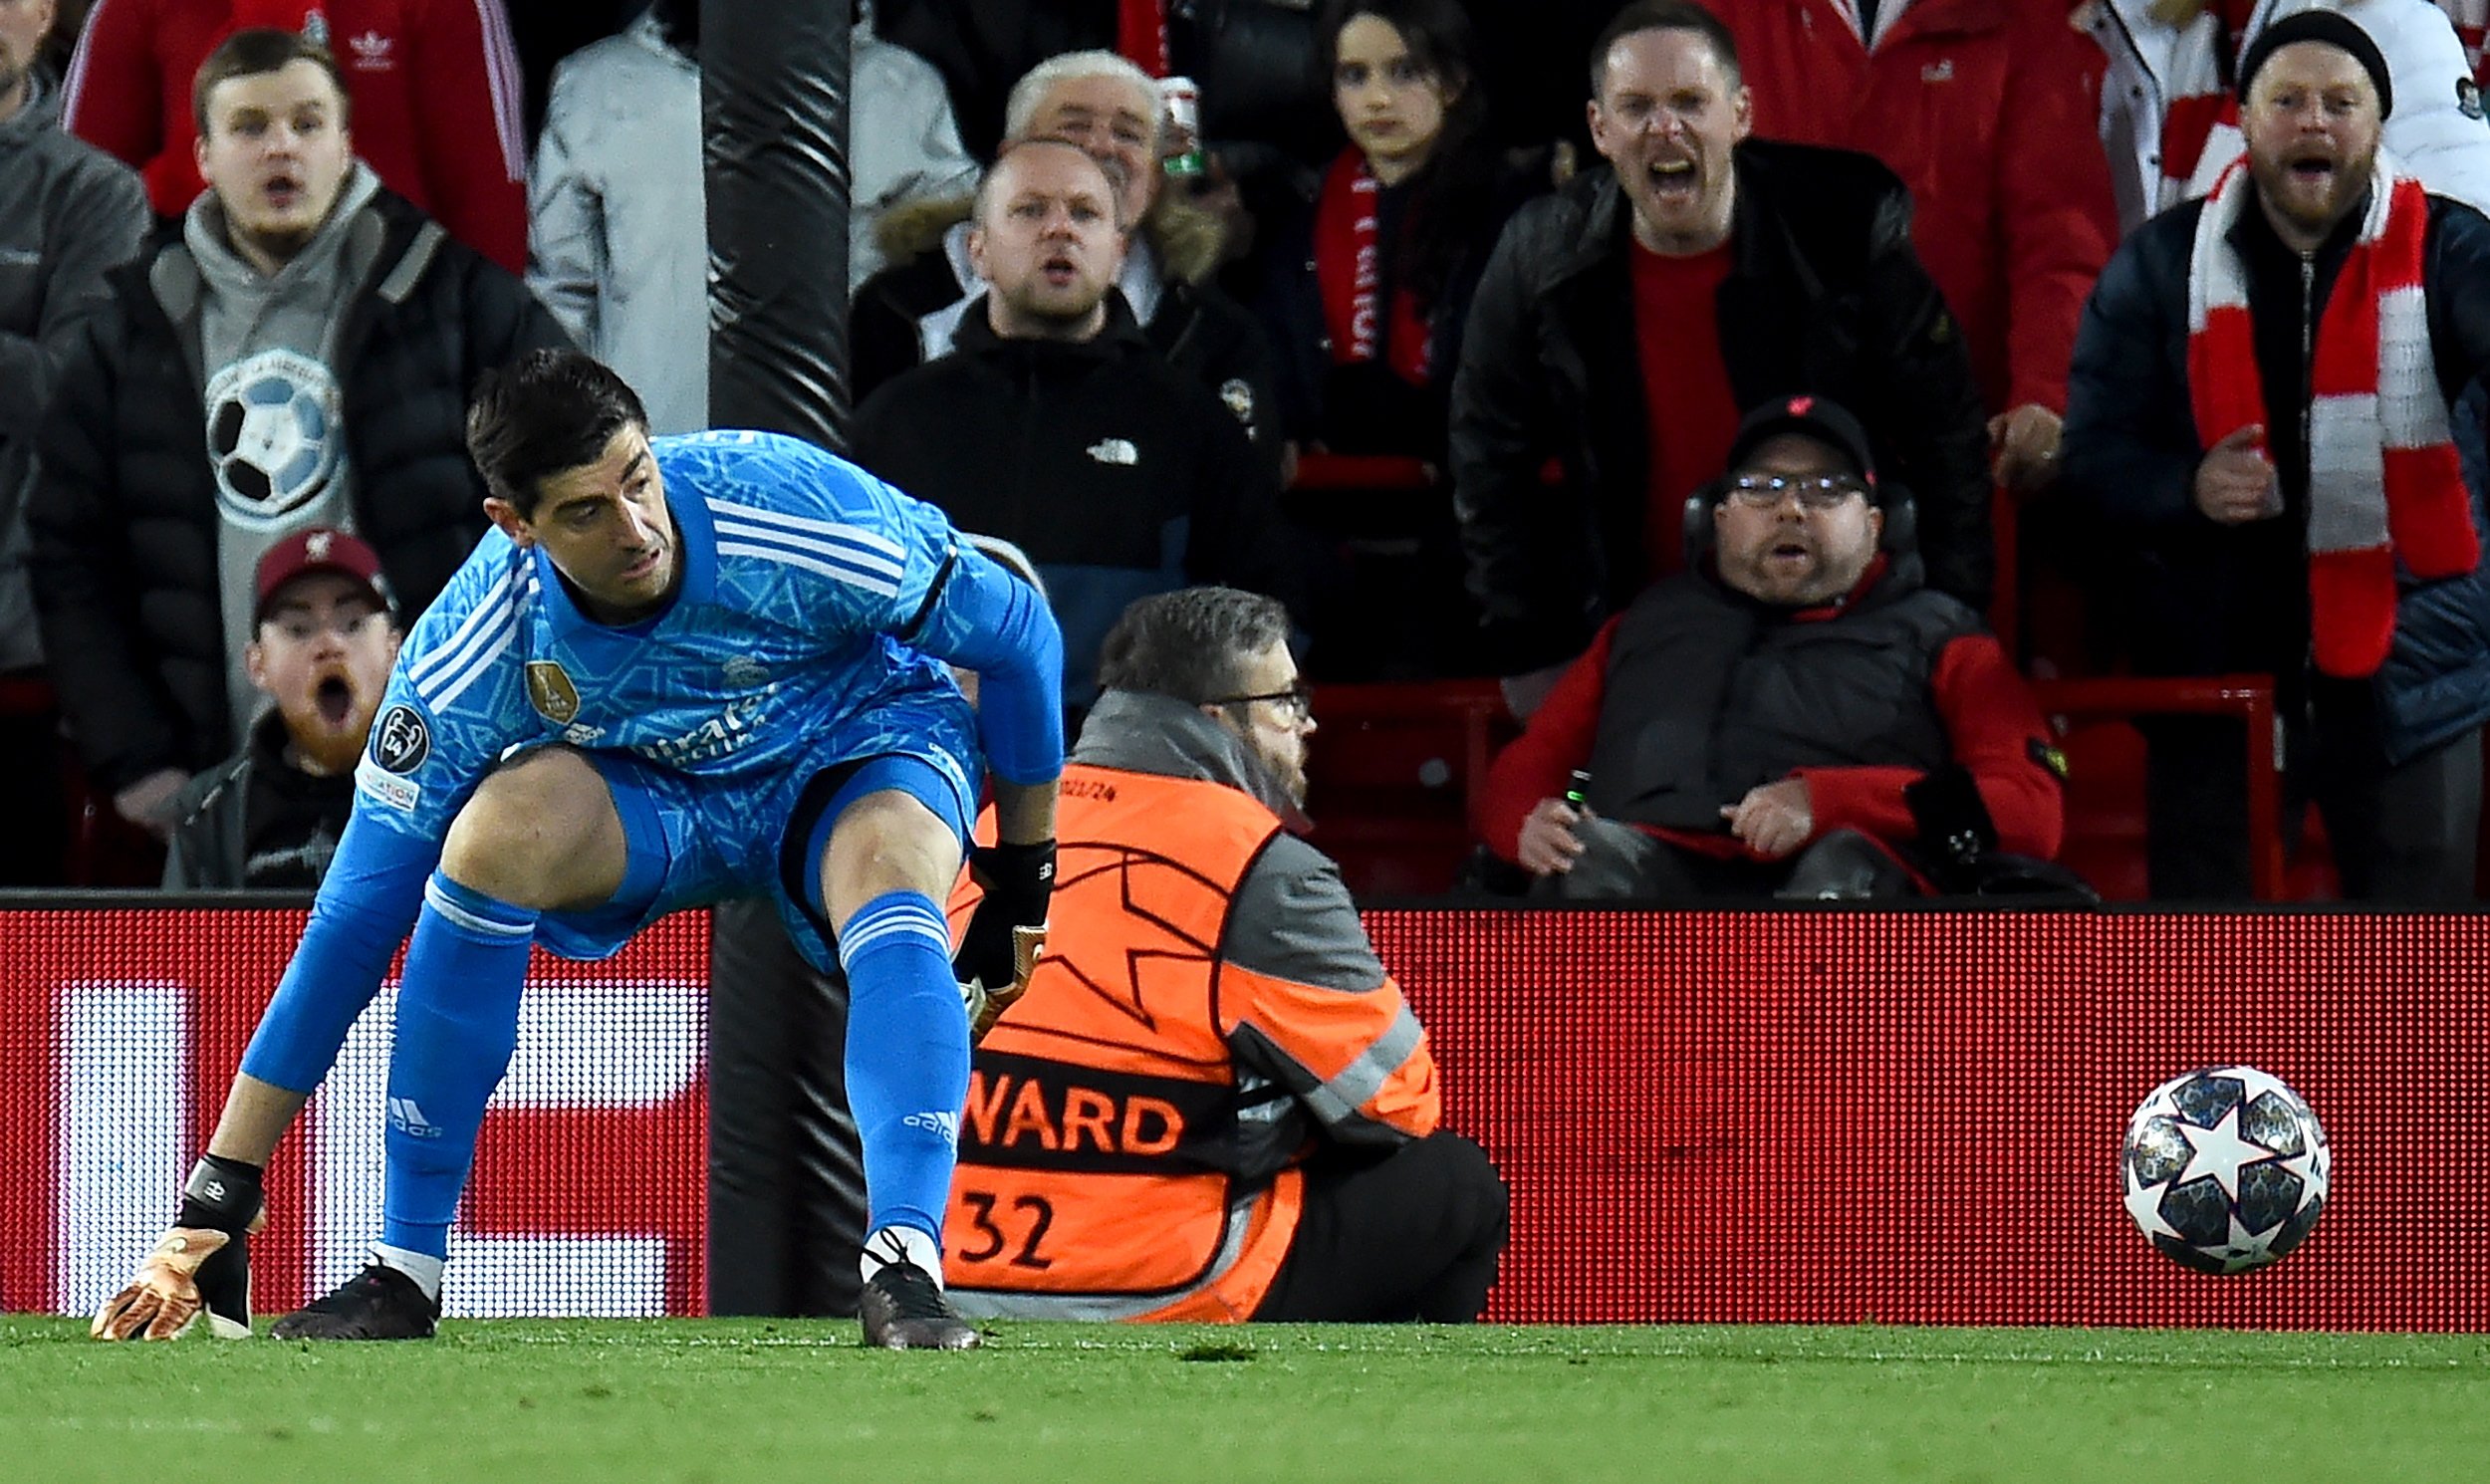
2383, 480
2200, 113
1349, 271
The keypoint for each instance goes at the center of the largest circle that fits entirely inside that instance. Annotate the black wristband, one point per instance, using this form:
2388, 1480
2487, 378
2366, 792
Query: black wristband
221, 1194
1019, 877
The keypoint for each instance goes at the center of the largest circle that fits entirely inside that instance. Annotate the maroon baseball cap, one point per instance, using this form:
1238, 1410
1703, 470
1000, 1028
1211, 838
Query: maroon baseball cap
319, 548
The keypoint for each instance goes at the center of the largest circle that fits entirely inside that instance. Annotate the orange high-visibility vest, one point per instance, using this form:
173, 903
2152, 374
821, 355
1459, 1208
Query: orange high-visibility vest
1103, 1107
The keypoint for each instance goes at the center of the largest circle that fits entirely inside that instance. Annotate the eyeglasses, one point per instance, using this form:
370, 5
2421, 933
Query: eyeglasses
1815, 491
1296, 703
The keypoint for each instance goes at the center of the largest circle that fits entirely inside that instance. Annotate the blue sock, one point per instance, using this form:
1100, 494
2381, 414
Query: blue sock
907, 1056
457, 1023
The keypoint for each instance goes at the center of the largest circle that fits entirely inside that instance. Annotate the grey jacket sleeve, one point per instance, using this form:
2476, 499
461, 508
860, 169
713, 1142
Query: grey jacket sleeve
99, 216
1295, 923
567, 265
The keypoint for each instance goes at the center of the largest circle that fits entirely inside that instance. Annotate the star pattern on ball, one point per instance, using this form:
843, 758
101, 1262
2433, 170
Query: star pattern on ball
2179, 1175
2144, 1202
2219, 1151
2241, 1251
2311, 1168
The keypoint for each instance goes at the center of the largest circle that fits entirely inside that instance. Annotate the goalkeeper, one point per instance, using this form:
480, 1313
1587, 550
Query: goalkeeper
676, 671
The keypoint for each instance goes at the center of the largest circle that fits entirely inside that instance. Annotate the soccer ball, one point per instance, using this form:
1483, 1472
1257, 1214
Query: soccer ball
2224, 1169
269, 439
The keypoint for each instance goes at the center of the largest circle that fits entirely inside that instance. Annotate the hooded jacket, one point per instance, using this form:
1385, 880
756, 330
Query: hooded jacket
125, 514
1825, 295
77, 214
435, 88
1269, 1029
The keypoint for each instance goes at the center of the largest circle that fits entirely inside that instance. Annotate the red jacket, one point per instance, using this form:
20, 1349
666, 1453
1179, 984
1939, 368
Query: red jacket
1990, 716
1989, 110
433, 87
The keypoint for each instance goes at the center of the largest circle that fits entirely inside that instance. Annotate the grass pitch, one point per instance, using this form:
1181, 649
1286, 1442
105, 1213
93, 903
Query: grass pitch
548, 1403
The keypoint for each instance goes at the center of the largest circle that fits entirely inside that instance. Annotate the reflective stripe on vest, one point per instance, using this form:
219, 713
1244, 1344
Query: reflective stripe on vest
1101, 1120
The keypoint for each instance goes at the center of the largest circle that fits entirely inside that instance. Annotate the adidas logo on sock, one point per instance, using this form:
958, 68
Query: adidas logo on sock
407, 1119
947, 1124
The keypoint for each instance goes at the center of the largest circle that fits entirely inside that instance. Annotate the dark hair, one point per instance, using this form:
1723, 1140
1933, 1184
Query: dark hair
547, 412
1664, 15
259, 50
1192, 644
1454, 196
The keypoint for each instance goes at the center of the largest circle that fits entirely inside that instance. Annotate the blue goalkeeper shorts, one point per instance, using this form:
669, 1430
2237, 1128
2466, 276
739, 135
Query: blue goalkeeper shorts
696, 839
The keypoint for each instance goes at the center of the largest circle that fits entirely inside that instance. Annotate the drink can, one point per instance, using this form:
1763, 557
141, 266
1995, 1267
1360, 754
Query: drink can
1182, 102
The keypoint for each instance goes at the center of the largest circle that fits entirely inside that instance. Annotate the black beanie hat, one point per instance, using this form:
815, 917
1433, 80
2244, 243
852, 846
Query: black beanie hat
2330, 27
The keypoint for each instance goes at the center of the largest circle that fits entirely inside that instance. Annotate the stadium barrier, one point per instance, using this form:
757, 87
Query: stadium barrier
1822, 1116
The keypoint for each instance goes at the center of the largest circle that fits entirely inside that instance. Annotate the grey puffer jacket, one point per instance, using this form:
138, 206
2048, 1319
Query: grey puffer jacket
69, 213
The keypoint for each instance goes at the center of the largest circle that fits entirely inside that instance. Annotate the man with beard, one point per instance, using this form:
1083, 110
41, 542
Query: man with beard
1756, 725
323, 640
1265, 1141
299, 356
1625, 321
2260, 412
1055, 425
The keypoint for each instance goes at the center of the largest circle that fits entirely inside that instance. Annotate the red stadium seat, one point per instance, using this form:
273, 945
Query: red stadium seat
1390, 778
1349, 472
2106, 827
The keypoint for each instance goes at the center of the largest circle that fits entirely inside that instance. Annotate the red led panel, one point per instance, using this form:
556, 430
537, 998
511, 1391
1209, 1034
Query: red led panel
121, 1030
1803, 1117
1832, 1117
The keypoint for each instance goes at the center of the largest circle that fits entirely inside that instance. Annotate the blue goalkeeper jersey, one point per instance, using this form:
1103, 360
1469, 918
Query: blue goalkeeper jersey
809, 591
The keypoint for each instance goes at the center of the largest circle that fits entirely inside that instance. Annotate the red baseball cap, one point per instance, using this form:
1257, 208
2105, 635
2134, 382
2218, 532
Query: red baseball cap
319, 548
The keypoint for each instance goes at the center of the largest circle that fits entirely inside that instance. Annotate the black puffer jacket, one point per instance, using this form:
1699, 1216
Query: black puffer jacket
124, 515
1204, 335
1823, 296
1115, 473
2198, 599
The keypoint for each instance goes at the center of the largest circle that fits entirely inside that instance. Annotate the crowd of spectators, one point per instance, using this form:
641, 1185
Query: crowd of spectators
1668, 364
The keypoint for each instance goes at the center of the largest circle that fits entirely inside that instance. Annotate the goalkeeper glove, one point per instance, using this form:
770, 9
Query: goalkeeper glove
1007, 931
202, 1267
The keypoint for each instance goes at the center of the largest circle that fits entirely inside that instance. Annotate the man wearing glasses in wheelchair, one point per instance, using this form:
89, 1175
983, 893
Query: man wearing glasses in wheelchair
1794, 715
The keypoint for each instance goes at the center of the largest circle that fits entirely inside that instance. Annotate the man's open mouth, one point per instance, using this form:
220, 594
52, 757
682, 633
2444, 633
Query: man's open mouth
2310, 167
335, 699
1676, 182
